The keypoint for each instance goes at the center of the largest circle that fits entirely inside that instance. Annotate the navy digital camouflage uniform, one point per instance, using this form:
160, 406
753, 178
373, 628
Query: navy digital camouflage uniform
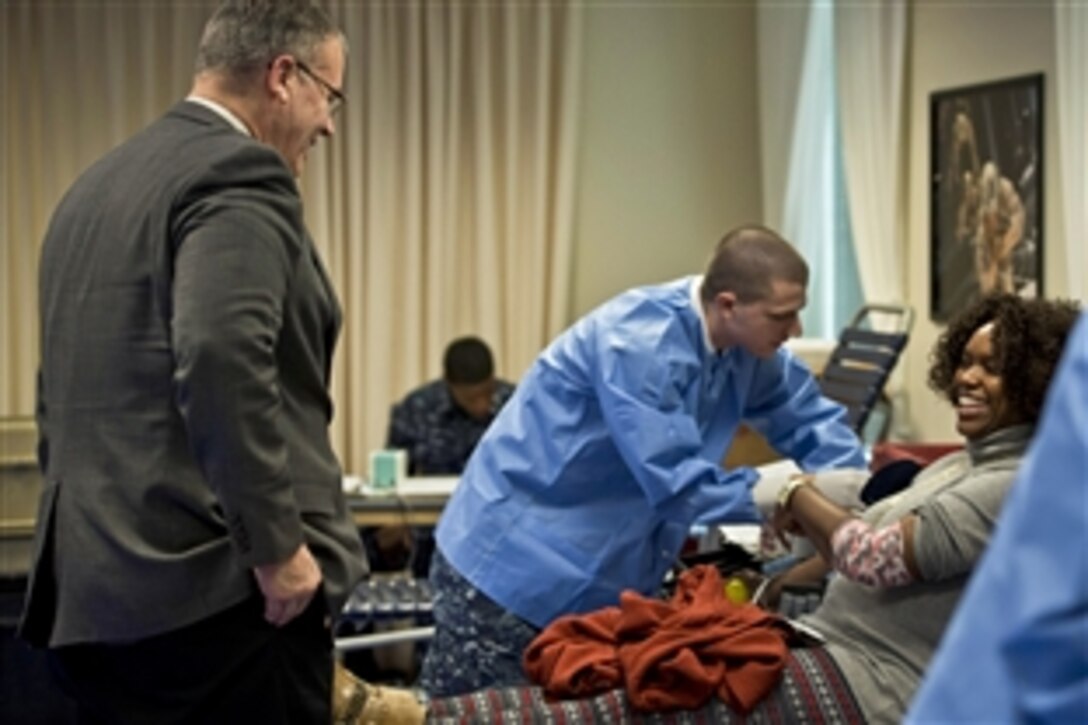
437, 434
475, 630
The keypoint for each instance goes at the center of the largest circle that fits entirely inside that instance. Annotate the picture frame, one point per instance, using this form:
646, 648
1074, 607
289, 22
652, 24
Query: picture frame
986, 171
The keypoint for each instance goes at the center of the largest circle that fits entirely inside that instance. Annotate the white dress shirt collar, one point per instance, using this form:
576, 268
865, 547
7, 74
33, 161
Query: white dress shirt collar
223, 111
700, 309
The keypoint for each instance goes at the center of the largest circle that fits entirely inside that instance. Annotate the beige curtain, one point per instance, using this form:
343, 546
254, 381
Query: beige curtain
442, 207
871, 45
77, 79
1071, 101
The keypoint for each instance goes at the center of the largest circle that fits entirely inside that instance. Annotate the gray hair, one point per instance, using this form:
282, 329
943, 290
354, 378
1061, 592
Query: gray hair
747, 261
242, 36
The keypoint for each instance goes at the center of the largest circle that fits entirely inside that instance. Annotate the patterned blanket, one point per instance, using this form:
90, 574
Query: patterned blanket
812, 690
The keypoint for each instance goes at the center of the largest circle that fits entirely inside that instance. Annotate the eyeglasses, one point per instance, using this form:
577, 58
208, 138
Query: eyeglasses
333, 96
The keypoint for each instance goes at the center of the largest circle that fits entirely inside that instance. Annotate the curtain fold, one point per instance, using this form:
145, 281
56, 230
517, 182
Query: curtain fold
460, 222
443, 205
870, 47
1071, 102
77, 79
802, 156
809, 209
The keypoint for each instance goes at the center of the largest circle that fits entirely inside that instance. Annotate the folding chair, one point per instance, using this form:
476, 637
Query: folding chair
859, 366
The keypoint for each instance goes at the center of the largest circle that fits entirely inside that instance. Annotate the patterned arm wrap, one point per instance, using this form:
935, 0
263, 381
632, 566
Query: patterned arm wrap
869, 556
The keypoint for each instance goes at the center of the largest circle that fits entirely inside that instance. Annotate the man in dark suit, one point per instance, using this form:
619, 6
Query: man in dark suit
193, 543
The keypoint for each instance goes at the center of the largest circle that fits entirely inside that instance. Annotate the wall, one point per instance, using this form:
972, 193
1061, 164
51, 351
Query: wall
670, 146
669, 156
952, 45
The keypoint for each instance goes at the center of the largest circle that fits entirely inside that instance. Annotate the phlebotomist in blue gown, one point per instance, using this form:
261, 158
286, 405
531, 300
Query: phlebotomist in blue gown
589, 480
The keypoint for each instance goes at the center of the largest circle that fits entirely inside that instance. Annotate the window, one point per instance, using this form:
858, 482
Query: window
816, 214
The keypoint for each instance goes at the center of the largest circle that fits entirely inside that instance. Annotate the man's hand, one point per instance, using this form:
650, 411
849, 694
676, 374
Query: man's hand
288, 586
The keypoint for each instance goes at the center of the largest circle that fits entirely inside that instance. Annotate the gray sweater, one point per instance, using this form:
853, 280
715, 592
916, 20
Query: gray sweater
883, 639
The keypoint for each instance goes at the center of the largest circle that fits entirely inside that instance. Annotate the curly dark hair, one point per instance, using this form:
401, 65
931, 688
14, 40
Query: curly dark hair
1028, 338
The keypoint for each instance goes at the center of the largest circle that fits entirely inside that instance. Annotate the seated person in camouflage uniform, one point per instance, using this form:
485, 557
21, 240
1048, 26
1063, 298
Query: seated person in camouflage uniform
438, 424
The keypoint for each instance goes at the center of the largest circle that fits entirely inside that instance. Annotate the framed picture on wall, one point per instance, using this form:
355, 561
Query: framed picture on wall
986, 224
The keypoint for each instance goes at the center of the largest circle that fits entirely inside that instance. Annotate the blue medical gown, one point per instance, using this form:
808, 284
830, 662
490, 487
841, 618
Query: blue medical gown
590, 478
1017, 647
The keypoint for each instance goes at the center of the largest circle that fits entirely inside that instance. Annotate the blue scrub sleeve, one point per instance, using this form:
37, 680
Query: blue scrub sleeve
788, 409
660, 441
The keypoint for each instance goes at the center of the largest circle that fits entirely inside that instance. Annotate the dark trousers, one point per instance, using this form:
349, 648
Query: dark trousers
231, 668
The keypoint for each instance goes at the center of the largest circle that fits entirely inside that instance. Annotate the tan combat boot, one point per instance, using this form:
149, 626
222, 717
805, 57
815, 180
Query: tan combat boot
355, 702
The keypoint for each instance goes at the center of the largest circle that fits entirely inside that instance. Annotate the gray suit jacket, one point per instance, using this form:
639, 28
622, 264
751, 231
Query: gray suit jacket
187, 333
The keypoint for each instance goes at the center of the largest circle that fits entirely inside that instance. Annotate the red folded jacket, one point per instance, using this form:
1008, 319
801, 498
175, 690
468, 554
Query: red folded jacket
576, 655
668, 655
